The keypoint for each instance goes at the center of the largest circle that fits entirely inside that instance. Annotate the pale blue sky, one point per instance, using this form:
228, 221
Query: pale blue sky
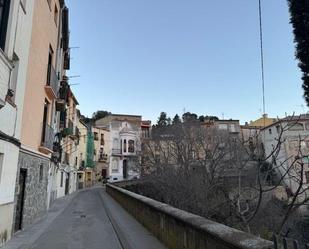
147, 56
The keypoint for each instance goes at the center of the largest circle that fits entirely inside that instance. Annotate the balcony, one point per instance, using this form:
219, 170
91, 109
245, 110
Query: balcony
75, 132
47, 142
51, 87
103, 158
116, 152
62, 96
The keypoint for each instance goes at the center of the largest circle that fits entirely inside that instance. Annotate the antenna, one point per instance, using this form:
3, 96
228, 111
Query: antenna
262, 58
73, 76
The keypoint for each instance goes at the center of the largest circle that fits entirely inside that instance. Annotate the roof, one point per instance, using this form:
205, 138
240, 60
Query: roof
126, 115
301, 117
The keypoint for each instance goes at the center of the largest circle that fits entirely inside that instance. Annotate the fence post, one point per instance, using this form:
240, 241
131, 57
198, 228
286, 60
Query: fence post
295, 244
275, 241
285, 243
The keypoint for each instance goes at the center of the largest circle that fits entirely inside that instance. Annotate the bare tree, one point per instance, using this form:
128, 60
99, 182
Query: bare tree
220, 176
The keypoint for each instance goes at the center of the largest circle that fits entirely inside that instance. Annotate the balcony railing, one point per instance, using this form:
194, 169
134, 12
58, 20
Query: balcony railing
52, 82
116, 151
48, 136
103, 158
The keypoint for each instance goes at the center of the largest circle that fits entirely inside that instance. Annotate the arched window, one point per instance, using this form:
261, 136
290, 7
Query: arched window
125, 145
131, 146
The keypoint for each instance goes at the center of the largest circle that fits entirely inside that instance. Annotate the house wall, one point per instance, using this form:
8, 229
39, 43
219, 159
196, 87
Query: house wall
13, 68
44, 35
287, 152
36, 187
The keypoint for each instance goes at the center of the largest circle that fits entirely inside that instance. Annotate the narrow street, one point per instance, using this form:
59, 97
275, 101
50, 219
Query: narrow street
92, 220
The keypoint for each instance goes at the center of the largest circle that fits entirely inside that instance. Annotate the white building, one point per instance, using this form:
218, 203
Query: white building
124, 145
294, 143
15, 34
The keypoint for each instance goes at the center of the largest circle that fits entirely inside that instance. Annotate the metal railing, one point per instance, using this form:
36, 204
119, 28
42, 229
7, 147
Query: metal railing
287, 243
48, 136
52, 78
103, 158
116, 151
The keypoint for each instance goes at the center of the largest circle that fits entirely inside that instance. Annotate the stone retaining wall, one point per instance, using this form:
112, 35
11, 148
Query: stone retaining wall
178, 229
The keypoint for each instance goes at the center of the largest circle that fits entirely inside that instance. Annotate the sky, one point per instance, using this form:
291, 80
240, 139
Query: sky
147, 56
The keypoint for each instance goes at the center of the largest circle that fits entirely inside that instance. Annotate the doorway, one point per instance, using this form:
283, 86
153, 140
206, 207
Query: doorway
20, 200
104, 173
67, 184
125, 169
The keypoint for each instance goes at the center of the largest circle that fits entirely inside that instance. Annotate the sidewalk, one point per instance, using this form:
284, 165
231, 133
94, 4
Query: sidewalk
87, 219
25, 238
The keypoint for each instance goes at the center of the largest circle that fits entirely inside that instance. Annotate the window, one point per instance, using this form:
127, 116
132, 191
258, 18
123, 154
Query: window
232, 128
125, 145
49, 65
41, 172
269, 131
131, 146
101, 153
45, 136
4, 17
296, 127
1, 164
56, 14
61, 180
96, 137
222, 127
307, 176
278, 128
13, 81
115, 166
102, 139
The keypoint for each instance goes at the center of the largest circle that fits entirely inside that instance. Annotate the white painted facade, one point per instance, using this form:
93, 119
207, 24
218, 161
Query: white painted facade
13, 72
299, 129
124, 146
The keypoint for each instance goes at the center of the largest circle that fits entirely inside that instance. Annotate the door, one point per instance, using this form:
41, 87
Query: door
20, 200
125, 169
67, 184
104, 173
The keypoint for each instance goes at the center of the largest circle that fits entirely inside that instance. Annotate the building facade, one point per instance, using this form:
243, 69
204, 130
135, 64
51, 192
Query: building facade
293, 147
40, 151
101, 150
15, 23
70, 134
124, 145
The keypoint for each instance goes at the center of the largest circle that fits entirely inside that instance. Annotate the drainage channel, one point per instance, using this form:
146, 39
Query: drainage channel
120, 235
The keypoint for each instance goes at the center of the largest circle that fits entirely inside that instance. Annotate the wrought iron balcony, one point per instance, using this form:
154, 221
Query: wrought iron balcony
52, 82
62, 95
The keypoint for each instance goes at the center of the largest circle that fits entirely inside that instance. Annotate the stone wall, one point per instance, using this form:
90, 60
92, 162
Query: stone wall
179, 229
35, 200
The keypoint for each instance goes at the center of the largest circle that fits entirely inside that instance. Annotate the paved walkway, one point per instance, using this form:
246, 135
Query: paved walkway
88, 219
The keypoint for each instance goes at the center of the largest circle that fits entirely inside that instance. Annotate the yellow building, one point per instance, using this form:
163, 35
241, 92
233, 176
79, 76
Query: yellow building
263, 121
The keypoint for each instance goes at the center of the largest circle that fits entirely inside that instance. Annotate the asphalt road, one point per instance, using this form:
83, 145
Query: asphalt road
90, 219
